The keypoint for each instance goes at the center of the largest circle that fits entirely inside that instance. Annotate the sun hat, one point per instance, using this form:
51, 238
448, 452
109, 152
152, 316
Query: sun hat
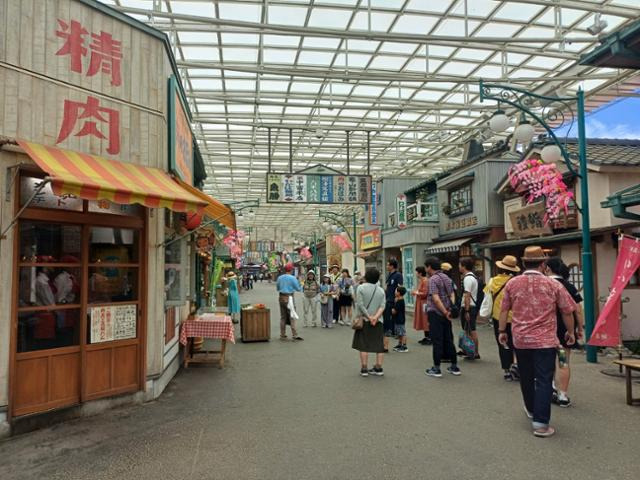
311, 272
509, 262
534, 253
446, 266
231, 274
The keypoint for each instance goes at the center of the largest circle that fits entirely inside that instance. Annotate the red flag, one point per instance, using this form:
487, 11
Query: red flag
607, 330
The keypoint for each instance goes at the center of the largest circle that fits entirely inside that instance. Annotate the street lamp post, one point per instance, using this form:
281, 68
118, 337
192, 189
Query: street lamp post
335, 218
558, 110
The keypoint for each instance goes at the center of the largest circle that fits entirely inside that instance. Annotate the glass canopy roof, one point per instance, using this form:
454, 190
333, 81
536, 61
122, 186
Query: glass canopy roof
407, 71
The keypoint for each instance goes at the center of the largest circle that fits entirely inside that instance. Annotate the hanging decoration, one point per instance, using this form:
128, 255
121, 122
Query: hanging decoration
534, 179
341, 242
305, 253
233, 241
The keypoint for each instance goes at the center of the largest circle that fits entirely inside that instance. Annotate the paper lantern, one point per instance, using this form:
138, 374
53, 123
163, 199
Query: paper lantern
194, 219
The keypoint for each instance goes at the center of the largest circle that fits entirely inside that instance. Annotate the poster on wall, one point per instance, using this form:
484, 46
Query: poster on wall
116, 322
373, 219
318, 184
180, 136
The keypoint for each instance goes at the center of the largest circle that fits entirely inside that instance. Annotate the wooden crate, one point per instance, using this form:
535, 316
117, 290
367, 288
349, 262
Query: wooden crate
255, 325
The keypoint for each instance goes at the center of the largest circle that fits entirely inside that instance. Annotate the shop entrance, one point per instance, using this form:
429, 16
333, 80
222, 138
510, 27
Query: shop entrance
78, 302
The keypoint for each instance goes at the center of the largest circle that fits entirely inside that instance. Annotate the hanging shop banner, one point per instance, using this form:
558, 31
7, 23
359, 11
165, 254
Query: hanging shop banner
180, 136
300, 188
274, 188
371, 239
304, 187
401, 211
373, 211
117, 322
313, 189
607, 332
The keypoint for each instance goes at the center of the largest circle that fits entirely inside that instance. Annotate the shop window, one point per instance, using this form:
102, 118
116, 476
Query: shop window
575, 276
114, 245
428, 209
460, 200
45, 329
49, 243
175, 262
113, 284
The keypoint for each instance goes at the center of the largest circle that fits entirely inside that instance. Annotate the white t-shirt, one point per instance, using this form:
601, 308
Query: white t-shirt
470, 285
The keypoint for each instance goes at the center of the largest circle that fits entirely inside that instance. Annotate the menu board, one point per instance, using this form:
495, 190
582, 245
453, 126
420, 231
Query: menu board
115, 322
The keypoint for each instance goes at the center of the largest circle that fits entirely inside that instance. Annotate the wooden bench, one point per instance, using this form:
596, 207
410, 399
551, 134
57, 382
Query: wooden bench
630, 366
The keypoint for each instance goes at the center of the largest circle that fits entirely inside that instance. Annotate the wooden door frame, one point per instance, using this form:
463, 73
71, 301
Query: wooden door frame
85, 220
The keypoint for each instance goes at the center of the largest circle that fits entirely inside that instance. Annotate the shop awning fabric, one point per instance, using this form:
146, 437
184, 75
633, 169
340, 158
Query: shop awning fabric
450, 246
214, 209
96, 178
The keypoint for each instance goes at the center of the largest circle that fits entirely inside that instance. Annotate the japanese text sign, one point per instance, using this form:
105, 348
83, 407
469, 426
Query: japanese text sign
314, 188
180, 136
607, 330
401, 211
529, 221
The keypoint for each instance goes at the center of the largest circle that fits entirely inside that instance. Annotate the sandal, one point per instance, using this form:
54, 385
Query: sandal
544, 432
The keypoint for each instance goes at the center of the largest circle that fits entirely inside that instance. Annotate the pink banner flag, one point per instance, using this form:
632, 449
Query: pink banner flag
607, 330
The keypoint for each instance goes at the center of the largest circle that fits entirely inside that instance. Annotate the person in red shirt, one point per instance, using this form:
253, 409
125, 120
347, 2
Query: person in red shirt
533, 300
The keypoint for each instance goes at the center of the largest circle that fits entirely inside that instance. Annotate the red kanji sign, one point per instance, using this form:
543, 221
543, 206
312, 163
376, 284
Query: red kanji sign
73, 35
91, 112
106, 52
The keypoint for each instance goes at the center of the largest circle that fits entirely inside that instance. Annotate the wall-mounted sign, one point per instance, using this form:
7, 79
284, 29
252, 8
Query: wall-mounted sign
373, 219
110, 323
180, 136
371, 239
459, 223
529, 221
318, 184
401, 211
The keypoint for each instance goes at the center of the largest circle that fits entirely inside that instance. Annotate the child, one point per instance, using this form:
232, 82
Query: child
398, 315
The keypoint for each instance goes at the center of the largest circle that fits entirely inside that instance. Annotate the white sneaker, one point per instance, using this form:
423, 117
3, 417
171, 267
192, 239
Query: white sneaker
341, 323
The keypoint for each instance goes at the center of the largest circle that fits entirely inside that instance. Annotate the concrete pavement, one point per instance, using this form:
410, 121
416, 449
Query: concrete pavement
299, 410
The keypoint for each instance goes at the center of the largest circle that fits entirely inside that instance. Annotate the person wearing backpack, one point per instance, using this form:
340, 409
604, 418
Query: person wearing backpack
494, 292
471, 302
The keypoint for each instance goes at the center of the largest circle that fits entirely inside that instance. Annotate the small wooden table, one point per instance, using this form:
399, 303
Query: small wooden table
630, 366
209, 325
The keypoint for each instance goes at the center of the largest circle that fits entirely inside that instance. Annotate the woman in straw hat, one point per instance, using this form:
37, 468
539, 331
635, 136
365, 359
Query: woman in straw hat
494, 292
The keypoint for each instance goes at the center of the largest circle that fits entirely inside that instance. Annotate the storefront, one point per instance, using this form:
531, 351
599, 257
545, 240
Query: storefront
93, 299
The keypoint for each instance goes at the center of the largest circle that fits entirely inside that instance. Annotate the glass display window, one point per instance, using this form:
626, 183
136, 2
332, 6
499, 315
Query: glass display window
42, 242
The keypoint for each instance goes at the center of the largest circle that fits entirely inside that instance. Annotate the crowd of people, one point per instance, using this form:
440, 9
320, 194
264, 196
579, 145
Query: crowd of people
535, 314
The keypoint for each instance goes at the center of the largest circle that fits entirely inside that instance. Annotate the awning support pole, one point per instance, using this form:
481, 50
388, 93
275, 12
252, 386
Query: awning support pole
38, 189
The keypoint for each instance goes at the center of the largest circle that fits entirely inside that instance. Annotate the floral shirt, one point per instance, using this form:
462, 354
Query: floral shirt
533, 299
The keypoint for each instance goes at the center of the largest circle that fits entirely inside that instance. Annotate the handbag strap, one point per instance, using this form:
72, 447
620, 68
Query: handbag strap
495, 296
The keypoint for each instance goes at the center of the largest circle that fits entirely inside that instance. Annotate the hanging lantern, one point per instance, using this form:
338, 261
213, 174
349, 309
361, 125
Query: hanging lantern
525, 131
499, 122
194, 219
551, 154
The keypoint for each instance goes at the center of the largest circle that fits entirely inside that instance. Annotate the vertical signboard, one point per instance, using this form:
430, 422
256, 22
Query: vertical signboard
373, 219
180, 136
401, 211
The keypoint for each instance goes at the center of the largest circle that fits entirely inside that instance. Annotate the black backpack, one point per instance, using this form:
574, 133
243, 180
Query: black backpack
481, 286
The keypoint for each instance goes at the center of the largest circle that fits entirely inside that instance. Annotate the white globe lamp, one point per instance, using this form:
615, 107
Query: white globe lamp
325, 224
551, 154
525, 131
499, 122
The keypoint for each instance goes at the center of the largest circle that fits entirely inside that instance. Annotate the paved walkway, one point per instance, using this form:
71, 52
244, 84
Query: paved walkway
285, 410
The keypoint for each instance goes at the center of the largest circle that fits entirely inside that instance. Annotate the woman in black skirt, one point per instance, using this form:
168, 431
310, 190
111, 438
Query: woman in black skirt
370, 302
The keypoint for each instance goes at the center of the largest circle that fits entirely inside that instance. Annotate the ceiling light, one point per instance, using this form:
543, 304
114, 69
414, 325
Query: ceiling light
598, 25
319, 133
525, 131
499, 122
252, 213
325, 224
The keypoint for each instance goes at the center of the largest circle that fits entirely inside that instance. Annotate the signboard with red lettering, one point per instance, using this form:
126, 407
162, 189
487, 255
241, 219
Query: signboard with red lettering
180, 136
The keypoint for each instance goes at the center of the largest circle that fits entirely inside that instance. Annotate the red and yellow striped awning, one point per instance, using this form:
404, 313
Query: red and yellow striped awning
215, 210
96, 178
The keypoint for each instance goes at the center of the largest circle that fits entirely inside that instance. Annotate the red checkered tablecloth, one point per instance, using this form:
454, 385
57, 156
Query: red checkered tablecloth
209, 325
